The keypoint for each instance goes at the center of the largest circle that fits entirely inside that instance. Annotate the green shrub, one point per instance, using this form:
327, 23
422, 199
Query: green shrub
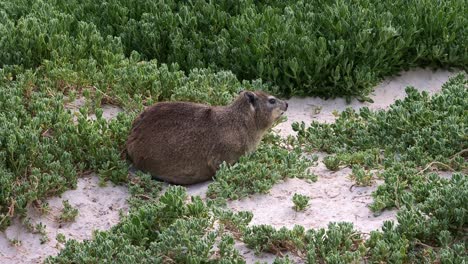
419, 128
134, 53
170, 230
431, 229
332, 163
339, 243
45, 147
259, 171
159, 232
412, 136
68, 213
300, 201
316, 48
361, 176
133, 84
42, 151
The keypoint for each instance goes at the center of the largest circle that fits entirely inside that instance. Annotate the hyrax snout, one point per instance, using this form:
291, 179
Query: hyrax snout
184, 143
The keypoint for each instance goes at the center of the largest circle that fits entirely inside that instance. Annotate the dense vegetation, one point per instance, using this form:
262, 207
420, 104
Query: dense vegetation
134, 53
433, 230
329, 48
413, 135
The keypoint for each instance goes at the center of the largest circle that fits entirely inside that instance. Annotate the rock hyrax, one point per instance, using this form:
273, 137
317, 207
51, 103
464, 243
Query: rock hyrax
184, 143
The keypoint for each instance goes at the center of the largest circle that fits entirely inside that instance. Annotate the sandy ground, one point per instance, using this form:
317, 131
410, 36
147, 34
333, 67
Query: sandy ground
331, 197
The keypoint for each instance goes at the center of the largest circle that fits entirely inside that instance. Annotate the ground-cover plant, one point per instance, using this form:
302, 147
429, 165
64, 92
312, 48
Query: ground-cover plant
361, 176
433, 229
259, 171
300, 201
170, 230
432, 225
69, 213
173, 229
133, 83
332, 163
110, 52
339, 243
46, 133
42, 151
414, 135
316, 48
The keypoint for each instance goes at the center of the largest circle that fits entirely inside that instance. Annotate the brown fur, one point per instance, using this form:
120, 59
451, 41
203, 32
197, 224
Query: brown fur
184, 143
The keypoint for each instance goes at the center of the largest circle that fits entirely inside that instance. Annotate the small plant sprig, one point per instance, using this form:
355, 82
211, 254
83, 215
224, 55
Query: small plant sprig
283, 260
41, 207
61, 238
300, 202
361, 176
15, 242
41, 229
68, 212
332, 162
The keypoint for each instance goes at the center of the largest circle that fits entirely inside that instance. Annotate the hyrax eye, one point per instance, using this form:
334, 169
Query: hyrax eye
272, 101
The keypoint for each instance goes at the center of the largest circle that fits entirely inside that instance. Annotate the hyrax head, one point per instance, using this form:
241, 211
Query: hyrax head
267, 108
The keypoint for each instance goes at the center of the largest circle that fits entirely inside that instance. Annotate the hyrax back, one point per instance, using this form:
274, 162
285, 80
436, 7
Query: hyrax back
184, 143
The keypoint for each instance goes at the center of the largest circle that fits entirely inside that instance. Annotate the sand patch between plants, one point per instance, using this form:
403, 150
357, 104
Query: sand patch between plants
331, 198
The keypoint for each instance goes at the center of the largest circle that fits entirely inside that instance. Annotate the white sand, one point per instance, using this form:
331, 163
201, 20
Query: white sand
331, 199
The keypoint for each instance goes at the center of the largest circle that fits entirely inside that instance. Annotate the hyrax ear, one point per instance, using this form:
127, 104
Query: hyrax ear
251, 97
